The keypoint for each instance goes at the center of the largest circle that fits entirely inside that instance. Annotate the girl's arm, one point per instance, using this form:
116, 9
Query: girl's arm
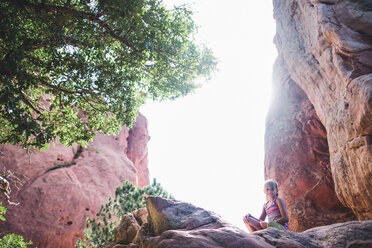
263, 224
263, 214
283, 211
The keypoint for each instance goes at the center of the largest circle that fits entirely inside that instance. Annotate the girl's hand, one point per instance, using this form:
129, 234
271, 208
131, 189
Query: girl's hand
263, 224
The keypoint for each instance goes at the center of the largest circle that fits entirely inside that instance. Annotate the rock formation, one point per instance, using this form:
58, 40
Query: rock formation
297, 157
65, 185
352, 234
178, 224
137, 149
325, 48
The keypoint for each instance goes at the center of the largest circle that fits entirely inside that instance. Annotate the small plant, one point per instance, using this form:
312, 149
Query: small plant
57, 166
78, 153
128, 198
12, 240
2, 212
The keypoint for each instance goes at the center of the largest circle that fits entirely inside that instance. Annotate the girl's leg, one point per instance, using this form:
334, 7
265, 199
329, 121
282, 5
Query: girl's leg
252, 223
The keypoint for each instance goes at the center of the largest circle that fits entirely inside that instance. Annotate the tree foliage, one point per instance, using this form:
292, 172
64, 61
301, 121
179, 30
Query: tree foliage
2, 212
69, 68
128, 198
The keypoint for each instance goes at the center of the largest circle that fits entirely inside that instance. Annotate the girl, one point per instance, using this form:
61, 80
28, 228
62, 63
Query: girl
274, 208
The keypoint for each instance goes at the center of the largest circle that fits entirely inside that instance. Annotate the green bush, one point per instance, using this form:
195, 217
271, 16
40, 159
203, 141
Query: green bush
2, 212
13, 241
128, 198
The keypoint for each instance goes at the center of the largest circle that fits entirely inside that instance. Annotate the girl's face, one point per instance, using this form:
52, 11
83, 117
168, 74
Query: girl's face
270, 192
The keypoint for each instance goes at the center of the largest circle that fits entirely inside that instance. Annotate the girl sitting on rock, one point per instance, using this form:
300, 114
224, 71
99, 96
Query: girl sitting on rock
274, 209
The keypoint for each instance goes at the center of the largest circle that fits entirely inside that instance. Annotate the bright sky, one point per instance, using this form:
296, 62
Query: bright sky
208, 148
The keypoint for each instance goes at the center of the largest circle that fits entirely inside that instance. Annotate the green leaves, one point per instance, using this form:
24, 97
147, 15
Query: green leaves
2, 212
12, 240
128, 198
69, 69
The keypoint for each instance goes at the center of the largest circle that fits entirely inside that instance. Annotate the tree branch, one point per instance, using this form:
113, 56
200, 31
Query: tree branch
27, 102
81, 14
86, 100
58, 88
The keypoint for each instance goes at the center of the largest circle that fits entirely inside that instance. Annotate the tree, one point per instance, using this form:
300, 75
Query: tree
70, 68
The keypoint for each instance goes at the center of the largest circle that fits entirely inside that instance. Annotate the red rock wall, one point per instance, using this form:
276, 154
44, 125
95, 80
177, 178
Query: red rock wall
326, 47
297, 156
54, 204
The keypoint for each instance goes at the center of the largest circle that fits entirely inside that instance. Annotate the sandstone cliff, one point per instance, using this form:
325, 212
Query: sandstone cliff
318, 138
65, 185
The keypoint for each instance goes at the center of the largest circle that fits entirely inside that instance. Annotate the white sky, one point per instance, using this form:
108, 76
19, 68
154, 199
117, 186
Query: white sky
208, 148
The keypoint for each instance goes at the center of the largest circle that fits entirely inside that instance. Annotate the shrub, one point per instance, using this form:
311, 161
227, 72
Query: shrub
128, 198
12, 240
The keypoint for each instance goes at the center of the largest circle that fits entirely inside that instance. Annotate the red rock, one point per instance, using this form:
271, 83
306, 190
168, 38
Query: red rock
141, 216
297, 156
127, 230
348, 234
327, 49
54, 204
137, 149
179, 224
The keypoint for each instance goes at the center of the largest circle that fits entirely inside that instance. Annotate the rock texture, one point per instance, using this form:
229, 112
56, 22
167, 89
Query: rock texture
349, 234
297, 156
54, 203
326, 47
178, 224
127, 230
137, 149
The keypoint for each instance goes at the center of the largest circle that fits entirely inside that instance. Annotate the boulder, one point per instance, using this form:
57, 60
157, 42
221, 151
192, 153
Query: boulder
348, 234
127, 230
173, 223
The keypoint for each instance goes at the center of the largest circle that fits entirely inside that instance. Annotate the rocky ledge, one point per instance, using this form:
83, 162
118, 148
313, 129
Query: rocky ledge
172, 223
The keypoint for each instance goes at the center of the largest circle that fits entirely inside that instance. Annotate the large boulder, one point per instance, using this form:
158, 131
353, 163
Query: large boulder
62, 186
173, 223
326, 49
353, 234
179, 224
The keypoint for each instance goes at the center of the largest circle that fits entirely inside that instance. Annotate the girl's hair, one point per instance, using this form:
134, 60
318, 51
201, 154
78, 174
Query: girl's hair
272, 184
